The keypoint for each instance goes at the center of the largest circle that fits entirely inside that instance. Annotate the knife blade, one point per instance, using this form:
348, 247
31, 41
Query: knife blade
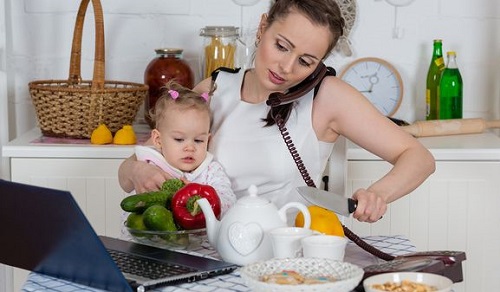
328, 200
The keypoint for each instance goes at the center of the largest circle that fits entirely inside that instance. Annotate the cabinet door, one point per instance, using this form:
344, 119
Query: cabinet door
93, 183
455, 209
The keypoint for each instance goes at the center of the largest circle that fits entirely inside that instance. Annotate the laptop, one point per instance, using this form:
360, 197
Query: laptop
44, 230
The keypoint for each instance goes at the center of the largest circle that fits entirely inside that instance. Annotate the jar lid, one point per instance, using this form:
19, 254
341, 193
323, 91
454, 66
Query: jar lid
169, 51
220, 31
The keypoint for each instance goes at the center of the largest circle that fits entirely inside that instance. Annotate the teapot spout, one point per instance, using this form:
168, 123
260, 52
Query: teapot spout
212, 223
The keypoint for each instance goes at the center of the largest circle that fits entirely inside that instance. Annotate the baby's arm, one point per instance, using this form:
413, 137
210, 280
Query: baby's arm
217, 178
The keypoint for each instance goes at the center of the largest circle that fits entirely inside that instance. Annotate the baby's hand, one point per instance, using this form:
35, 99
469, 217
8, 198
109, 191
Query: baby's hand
185, 180
148, 177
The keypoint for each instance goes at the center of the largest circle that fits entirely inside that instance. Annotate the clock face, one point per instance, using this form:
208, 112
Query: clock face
378, 81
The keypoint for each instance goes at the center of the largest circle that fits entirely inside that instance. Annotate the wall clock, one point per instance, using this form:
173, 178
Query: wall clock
378, 81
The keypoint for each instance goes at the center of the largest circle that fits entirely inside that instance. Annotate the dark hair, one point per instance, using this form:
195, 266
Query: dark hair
321, 12
186, 99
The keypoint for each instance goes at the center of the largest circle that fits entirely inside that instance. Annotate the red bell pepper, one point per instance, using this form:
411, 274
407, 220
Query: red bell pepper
187, 213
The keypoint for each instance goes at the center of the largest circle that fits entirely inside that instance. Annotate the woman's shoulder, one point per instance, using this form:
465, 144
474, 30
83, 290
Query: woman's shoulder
334, 89
334, 82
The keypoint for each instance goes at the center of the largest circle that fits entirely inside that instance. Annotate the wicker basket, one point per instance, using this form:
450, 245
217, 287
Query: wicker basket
73, 108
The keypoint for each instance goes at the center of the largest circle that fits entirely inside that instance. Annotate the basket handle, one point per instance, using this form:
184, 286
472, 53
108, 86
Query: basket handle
76, 48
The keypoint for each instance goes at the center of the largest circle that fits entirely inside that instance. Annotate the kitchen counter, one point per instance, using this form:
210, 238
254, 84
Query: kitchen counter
33, 144
484, 147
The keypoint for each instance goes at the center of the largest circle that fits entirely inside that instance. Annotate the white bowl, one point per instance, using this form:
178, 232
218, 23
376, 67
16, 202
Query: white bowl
347, 275
441, 283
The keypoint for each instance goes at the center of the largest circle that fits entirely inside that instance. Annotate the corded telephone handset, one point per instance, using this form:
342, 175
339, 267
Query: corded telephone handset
278, 98
447, 263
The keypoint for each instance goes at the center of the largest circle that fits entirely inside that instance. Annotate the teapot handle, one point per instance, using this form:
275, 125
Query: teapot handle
301, 207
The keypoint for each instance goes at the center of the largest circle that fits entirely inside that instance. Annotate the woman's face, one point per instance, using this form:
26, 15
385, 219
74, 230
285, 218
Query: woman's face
289, 50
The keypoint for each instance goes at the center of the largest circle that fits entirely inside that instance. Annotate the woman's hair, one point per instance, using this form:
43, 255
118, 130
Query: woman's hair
320, 12
174, 94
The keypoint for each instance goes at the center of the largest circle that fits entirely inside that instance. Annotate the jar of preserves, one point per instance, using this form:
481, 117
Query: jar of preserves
167, 65
219, 48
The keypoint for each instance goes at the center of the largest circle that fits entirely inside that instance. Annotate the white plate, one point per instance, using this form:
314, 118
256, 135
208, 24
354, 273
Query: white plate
441, 283
348, 275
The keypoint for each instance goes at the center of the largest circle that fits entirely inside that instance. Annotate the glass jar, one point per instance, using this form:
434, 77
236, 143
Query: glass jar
167, 65
219, 48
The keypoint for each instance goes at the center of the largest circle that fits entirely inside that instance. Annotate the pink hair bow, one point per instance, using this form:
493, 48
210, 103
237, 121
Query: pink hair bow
204, 95
173, 93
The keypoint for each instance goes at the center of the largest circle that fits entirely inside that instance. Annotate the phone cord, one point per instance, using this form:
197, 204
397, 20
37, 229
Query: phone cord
307, 178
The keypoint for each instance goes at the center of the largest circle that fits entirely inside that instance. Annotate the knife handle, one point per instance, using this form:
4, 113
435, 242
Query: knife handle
352, 205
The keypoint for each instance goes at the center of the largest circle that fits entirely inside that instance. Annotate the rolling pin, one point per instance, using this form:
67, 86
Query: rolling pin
450, 127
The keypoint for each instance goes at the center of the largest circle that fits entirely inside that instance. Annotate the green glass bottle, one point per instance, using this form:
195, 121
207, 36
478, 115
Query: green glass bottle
450, 90
433, 77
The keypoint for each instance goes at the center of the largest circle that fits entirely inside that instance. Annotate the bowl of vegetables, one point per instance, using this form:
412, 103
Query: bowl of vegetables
170, 217
181, 239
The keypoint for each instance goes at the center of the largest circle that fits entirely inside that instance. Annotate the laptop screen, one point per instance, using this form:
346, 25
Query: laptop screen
45, 231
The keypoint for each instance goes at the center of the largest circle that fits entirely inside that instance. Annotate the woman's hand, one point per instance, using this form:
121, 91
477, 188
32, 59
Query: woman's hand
371, 207
141, 176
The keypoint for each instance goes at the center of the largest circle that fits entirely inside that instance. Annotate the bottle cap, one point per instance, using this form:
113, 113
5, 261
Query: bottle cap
451, 53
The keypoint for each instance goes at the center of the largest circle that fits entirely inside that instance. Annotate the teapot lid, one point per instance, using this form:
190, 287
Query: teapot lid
253, 199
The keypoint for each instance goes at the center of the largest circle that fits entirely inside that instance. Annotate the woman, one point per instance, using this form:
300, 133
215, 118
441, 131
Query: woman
292, 40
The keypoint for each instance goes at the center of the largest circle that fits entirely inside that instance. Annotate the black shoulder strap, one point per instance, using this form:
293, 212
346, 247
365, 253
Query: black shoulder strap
225, 69
330, 71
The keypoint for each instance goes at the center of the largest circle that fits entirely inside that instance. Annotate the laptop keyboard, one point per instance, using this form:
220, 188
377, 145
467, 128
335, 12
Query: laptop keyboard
146, 268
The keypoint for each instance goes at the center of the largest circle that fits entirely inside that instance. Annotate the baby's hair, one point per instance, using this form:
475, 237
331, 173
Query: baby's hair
174, 94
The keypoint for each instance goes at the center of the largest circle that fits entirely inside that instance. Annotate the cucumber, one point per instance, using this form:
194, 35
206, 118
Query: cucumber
140, 202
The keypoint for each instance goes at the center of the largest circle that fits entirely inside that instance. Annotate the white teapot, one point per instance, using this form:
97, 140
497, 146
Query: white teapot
241, 236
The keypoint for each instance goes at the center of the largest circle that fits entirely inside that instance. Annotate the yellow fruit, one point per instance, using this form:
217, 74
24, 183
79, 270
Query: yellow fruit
322, 220
101, 135
125, 136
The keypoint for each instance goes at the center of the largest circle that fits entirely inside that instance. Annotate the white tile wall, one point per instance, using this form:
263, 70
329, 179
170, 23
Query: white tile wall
40, 31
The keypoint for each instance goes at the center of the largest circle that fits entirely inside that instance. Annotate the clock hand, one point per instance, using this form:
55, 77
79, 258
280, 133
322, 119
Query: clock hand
373, 79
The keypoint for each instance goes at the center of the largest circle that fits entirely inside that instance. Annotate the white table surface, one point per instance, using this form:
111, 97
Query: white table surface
395, 245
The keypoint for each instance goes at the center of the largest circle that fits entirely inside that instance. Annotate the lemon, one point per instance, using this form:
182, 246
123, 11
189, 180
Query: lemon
125, 136
101, 135
322, 220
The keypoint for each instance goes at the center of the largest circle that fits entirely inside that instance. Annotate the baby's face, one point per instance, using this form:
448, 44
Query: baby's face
183, 138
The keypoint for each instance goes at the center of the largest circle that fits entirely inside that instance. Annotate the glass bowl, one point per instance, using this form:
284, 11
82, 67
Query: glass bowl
346, 276
181, 239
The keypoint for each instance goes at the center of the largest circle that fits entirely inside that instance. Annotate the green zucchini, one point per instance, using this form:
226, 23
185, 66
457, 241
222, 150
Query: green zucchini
140, 202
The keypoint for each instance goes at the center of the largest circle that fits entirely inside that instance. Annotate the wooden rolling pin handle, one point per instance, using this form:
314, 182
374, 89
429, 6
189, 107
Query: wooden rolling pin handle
493, 124
450, 127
